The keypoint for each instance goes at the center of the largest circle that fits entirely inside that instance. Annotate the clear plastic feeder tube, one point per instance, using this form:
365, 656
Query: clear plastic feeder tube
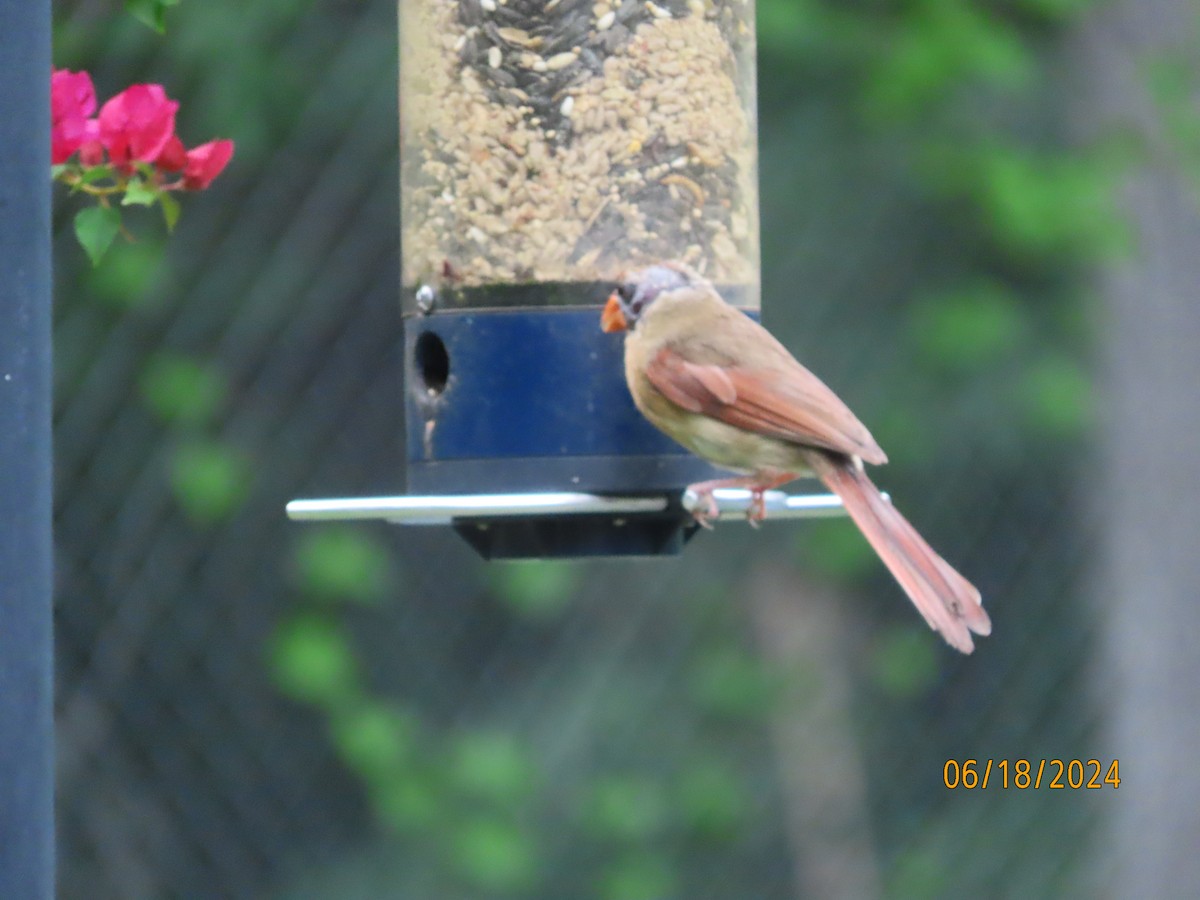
566, 141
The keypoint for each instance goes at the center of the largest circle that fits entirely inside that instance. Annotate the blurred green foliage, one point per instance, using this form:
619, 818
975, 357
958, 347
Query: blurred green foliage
209, 478
711, 801
343, 564
967, 329
373, 739
630, 809
1056, 396
181, 390
494, 855
536, 588
474, 796
492, 767
933, 50
1060, 207
729, 683
151, 12
312, 661
835, 549
126, 279
639, 876
904, 662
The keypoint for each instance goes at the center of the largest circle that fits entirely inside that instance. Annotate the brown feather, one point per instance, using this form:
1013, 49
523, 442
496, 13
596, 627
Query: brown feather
949, 603
792, 405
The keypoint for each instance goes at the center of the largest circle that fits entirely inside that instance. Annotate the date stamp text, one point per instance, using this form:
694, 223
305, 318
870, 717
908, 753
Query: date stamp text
1031, 774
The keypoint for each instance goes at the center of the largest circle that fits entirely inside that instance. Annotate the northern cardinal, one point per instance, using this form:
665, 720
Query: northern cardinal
717, 382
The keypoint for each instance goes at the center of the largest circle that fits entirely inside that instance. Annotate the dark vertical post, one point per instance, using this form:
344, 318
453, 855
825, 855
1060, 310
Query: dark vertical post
26, 673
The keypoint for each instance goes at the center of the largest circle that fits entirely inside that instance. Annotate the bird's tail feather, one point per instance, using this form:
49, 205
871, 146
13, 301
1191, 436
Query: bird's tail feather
950, 604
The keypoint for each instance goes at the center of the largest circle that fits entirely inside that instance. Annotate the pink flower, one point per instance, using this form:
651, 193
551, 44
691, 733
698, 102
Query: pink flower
173, 157
91, 151
136, 124
204, 163
72, 102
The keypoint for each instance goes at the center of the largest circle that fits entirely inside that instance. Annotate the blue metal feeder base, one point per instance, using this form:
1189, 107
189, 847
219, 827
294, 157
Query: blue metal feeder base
533, 400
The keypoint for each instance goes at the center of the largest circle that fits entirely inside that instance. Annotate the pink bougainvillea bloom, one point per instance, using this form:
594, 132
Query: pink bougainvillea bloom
72, 102
204, 163
136, 124
91, 151
173, 157
71, 94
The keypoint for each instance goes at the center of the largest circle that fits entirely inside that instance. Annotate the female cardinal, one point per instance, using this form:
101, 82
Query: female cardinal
717, 382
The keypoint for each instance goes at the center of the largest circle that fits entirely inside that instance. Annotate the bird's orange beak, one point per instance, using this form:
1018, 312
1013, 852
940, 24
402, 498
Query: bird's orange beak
612, 319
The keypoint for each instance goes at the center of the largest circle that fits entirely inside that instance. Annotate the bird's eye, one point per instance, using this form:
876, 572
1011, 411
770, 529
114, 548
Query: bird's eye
625, 292
635, 305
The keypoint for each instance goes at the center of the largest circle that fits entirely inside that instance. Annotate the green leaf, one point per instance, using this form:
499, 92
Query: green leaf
936, 50
1049, 204
96, 227
126, 279
626, 808
492, 767
170, 210
339, 564
1056, 395
374, 740
495, 856
312, 661
209, 480
92, 174
139, 193
182, 390
537, 589
712, 801
967, 329
640, 877
150, 12
730, 683
409, 802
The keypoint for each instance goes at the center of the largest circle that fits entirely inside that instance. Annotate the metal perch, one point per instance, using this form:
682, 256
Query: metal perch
443, 510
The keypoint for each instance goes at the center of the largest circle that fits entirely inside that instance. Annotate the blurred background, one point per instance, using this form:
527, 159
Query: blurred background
979, 224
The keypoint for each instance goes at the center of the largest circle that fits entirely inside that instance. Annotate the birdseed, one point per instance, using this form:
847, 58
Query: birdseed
567, 141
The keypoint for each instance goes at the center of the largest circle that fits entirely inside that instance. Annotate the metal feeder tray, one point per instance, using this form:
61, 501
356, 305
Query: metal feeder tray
527, 525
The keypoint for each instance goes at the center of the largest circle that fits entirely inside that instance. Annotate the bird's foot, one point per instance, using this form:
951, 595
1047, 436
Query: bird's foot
757, 510
705, 510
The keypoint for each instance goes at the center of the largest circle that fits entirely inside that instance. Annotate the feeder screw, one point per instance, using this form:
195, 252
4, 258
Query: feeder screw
426, 297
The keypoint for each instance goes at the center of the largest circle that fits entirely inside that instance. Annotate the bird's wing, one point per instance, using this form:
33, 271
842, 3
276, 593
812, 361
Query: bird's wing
788, 403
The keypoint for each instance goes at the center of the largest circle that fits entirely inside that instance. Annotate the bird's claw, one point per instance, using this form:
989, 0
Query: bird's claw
705, 510
757, 510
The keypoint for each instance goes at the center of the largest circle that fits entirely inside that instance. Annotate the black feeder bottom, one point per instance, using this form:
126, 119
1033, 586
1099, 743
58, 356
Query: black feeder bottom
561, 537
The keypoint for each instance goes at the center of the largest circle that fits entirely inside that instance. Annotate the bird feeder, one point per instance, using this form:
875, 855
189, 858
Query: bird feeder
545, 148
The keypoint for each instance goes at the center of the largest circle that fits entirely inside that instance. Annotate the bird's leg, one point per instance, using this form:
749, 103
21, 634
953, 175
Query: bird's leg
762, 482
706, 507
